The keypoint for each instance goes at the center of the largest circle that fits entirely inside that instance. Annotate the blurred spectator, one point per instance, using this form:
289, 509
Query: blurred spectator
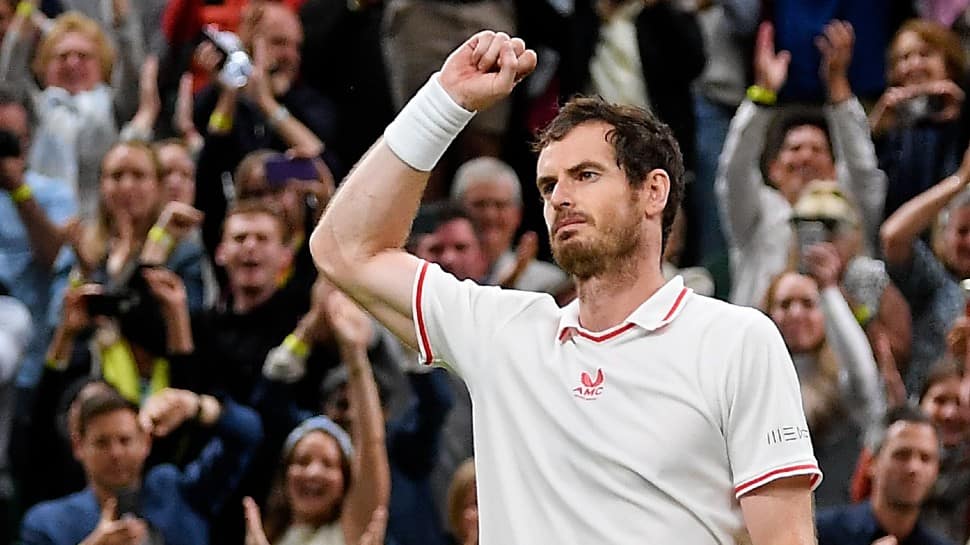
177, 170
33, 226
798, 148
928, 276
463, 505
413, 447
823, 214
917, 123
945, 511
647, 53
273, 110
728, 28
905, 466
835, 366
15, 333
7, 8
452, 242
84, 96
132, 204
166, 503
490, 192
411, 58
328, 484
695, 278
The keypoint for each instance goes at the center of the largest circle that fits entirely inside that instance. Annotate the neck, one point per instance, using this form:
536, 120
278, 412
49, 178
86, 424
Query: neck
896, 520
607, 299
246, 299
493, 251
103, 494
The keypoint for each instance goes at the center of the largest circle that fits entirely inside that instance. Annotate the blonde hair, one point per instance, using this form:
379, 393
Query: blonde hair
462, 482
96, 235
64, 24
821, 396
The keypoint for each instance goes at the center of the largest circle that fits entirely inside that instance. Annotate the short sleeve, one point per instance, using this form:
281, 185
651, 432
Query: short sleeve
456, 320
766, 431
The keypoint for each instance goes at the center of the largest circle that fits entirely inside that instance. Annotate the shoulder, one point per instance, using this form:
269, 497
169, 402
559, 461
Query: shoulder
721, 316
840, 522
54, 515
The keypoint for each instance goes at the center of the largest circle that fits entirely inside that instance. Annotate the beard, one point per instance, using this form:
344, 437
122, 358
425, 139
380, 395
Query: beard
615, 244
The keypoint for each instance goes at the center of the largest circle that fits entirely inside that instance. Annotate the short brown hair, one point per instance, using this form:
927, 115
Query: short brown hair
937, 37
99, 404
257, 206
74, 21
640, 141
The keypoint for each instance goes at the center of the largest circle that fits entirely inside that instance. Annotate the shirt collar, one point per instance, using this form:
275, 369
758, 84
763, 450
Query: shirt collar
658, 310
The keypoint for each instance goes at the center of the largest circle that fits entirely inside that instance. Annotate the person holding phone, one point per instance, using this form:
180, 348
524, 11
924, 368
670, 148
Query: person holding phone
918, 122
122, 504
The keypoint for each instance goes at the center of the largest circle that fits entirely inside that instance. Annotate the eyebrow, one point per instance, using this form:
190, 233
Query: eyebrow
572, 171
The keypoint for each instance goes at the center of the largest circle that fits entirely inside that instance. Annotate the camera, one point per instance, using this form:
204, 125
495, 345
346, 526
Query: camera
810, 232
920, 108
9, 144
237, 66
129, 299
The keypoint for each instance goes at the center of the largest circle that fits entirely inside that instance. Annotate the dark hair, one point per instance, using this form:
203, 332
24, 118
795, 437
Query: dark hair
9, 94
903, 413
944, 369
640, 141
279, 512
99, 404
786, 121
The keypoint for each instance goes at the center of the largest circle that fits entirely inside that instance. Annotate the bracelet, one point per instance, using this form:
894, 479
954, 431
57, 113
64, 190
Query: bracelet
159, 235
25, 8
762, 95
426, 126
280, 115
22, 194
296, 345
220, 122
55, 365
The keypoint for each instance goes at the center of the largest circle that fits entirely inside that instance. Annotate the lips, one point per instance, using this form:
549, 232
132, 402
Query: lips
566, 221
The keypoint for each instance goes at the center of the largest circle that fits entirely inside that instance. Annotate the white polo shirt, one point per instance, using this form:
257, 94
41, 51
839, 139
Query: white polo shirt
646, 433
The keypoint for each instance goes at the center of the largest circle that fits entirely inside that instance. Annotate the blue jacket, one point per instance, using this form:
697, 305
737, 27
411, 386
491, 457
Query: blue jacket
177, 503
857, 525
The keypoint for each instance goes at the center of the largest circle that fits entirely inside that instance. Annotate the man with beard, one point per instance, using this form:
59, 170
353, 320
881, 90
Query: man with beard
639, 413
904, 468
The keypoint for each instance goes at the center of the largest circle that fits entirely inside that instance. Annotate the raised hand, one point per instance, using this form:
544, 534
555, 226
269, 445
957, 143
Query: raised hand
166, 286
485, 69
525, 252
109, 531
835, 44
182, 117
823, 264
254, 523
351, 325
951, 96
74, 313
166, 410
770, 68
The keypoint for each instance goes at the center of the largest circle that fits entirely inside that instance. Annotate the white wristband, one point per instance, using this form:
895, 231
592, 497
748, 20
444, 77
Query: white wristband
423, 130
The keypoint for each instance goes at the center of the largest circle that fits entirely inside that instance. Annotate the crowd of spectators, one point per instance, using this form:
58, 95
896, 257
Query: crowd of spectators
172, 370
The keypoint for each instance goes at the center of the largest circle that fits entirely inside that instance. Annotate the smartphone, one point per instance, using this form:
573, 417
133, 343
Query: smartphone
280, 170
128, 503
110, 303
809, 233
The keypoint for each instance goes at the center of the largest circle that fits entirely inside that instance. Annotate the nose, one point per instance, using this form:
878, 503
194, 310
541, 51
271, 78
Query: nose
561, 196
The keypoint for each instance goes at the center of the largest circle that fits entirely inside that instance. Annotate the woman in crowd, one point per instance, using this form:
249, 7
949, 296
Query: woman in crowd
330, 485
917, 122
84, 93
839, 378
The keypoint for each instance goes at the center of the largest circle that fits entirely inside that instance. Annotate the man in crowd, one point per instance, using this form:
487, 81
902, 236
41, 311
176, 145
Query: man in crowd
905, 466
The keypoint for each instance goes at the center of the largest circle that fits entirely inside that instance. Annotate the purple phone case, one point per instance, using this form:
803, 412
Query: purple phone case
278, 171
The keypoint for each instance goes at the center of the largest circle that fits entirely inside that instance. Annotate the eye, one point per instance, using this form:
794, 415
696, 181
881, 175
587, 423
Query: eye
588, 175
545, 188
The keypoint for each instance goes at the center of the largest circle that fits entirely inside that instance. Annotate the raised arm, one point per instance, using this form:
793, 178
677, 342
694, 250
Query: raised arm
363, 257
739, 182
917, 214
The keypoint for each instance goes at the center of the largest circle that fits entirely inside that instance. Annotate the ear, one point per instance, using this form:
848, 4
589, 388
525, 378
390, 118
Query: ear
774, 172
654, 192
221, 254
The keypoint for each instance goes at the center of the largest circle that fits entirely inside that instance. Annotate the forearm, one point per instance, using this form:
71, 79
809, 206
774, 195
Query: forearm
739, 183
221, 119
367, 428
916, 215
59, 351
127, 32
290, 129
852, 348
45, 238
178, 330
